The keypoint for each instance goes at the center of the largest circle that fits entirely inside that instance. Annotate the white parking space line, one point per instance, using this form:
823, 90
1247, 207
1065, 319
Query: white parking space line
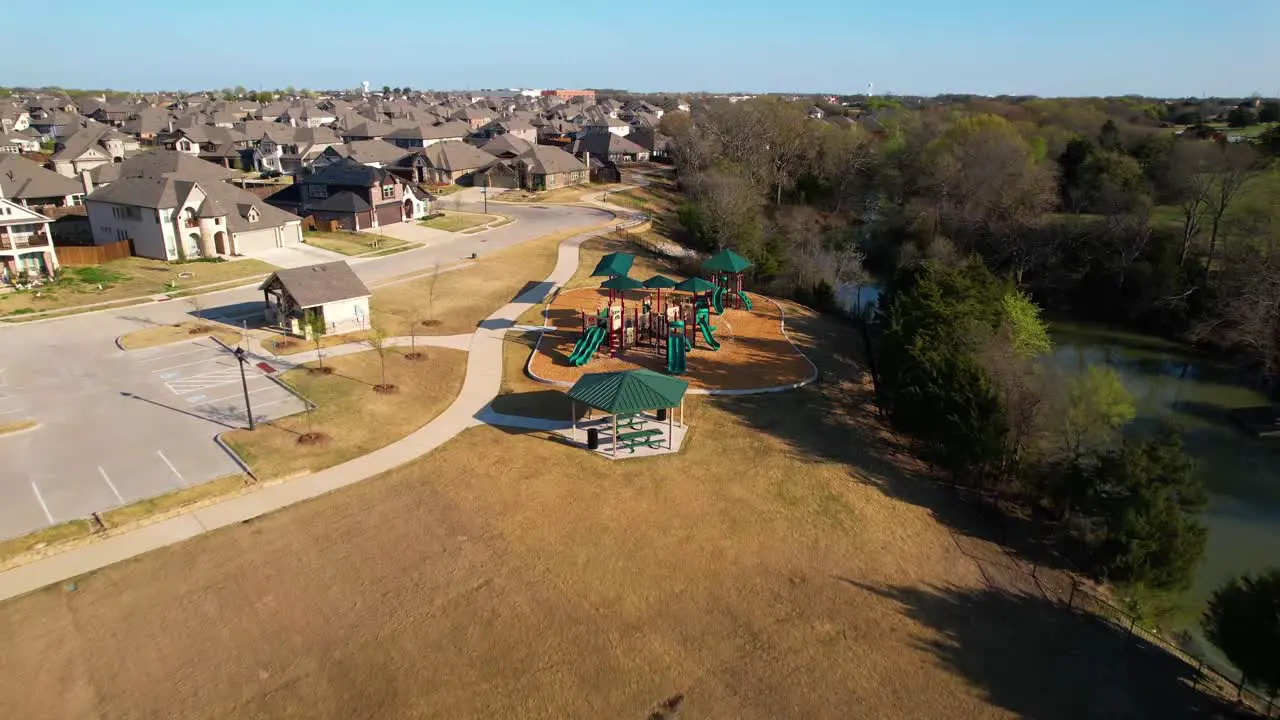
273, 402
203, 381
170, 356
177, 474
40, 499
111, 485
175, 367
204, 400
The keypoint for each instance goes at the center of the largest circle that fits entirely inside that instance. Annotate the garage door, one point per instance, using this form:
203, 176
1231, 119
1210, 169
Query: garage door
253, 241
390, 214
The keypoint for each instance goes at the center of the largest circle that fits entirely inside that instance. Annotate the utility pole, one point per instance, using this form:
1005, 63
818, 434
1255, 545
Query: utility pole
244, 384
486, 194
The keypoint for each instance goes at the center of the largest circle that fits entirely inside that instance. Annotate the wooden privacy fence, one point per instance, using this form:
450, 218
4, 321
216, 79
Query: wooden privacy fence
92, 254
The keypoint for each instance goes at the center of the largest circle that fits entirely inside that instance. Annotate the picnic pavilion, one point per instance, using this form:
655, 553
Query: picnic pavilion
627, 398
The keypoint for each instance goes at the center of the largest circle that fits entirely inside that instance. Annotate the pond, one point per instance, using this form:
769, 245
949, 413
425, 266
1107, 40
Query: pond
1172, 383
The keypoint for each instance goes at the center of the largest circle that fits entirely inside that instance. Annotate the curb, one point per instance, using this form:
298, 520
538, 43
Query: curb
217, 439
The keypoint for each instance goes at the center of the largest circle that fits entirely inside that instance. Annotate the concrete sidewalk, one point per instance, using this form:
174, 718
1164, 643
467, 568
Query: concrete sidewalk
482, 383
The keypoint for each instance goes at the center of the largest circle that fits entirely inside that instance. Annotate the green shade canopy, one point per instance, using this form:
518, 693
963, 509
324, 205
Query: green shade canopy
659, 282
622, 282
695, 285
614, 264
631, 391
726, 261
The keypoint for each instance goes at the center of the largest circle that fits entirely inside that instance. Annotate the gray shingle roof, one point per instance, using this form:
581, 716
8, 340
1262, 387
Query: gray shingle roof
547, 160
169, 163
454, 155
316, 285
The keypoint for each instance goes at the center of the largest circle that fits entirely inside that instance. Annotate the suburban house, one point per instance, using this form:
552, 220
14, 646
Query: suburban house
330, 290
609, 147
18, 143
289, 151
446, 162
348, 195
365, 129
506, 146
374, 153
598, 123
306, 114
420, 136
91, 146
541, 167
26, 244
55, 124
516, 128
171, 206
30, 185
474, 116
14, 119
147, 124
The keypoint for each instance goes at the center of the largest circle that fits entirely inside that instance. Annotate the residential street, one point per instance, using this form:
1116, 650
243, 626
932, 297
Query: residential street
113, 430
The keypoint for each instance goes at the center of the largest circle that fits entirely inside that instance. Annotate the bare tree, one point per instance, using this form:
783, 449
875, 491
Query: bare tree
1236, 166
844, 157
1189, 184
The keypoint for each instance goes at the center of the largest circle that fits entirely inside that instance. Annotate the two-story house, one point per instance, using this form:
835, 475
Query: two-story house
351, 196
93, 145
420, 136
289, 150
171, 206
26, 245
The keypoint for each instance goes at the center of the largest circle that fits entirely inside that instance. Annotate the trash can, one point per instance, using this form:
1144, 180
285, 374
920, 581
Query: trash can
662, 414
593, 438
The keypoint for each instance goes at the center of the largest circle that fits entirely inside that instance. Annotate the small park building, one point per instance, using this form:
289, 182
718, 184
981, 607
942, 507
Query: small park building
331, 290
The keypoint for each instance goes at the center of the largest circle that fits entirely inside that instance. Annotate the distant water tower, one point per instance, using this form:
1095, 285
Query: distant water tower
871, 89
365, 85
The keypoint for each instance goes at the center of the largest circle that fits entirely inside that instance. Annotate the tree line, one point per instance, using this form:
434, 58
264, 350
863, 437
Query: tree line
974, 215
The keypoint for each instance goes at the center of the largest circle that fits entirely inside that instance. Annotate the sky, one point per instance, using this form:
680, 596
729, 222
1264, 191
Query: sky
1173, 48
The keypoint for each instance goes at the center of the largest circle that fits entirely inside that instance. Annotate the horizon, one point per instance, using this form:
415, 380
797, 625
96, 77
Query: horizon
988, 48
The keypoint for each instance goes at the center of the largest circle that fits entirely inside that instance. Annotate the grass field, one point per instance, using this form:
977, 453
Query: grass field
130, 277
179, 332
789, 563
356, 419
454, 221
463, 298
351, 243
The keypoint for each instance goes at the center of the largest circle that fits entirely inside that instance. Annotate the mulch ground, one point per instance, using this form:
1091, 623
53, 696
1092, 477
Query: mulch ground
753, 351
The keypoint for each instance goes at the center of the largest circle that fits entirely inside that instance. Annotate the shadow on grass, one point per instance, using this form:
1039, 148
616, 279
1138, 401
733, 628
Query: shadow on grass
1040, 661
544, 404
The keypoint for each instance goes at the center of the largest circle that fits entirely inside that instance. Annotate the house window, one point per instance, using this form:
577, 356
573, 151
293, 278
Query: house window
186, 146
318, 191
388, 192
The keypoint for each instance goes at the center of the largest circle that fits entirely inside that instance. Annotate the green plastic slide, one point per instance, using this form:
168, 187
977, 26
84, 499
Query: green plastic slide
707, 329
586, 346
677, 350
746, 301
717, 301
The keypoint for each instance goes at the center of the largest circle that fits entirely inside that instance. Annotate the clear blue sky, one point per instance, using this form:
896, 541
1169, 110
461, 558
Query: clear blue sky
1086, 47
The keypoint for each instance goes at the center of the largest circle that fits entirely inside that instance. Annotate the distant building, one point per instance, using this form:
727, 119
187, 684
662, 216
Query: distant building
589, 95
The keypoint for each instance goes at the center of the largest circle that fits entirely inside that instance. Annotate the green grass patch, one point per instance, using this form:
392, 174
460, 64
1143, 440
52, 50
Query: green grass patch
458, 221
351, 243
176, 500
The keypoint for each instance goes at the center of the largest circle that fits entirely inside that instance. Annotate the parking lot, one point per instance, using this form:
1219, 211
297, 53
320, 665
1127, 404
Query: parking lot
143, 423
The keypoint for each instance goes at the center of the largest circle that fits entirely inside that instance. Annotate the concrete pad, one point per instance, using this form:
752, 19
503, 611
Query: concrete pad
412, 232
296, 256
670, 442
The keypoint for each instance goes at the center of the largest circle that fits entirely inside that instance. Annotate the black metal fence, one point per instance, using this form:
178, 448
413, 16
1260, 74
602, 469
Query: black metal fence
1062, 588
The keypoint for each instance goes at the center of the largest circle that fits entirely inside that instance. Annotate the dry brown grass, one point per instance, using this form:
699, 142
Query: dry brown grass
783, 565
169, 503
464, 298
180, 332
350, 243
355, 418
7, 428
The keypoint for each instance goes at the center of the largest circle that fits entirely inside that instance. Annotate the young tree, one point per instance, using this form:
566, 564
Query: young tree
1097, 407
386, 90
431, 295
197, 306
376, 338
1243, 620
316, 329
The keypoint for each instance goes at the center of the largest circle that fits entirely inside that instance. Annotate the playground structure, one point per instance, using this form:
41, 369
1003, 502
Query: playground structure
668, 327
679, 323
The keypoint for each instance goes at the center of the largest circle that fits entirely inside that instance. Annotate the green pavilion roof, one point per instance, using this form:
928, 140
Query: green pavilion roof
614, 264
659, 282
695, 285
631, 391
622, 282
726, 261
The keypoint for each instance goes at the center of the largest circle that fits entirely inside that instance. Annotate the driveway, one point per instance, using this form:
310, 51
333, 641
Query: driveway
296, 256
